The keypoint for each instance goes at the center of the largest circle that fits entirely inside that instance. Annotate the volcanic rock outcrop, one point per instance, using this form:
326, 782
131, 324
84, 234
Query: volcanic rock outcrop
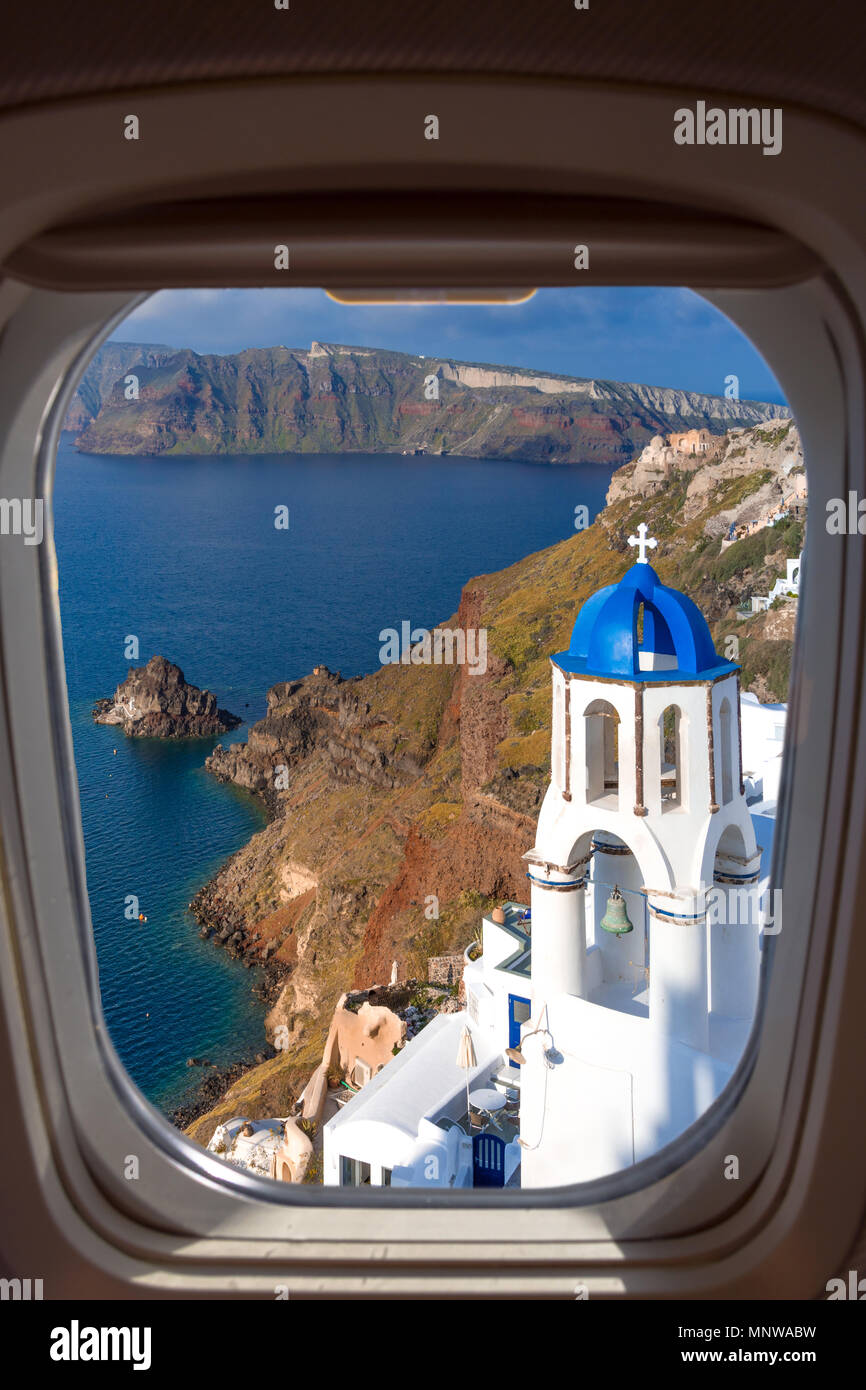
156, 702
320, 713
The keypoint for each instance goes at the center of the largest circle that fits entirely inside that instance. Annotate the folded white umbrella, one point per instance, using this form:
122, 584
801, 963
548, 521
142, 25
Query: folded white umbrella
466, 1058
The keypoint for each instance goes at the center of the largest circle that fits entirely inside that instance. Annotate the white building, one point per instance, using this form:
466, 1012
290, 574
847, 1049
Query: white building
789, 587
249, 1144
626, 992
763, 737
403, 1128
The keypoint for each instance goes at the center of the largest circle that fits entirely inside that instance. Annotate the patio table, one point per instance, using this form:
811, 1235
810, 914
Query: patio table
487, 1099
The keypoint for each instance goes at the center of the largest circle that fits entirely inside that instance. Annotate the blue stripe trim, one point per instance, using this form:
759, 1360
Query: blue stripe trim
551, 883
677, 916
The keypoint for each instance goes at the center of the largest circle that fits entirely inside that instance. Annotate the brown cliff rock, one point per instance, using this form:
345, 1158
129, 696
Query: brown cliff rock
156, 702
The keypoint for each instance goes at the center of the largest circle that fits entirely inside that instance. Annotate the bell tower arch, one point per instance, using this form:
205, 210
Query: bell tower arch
643, 839
646, 772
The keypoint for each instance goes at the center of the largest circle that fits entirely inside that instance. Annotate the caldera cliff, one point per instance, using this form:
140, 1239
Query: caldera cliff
336, 399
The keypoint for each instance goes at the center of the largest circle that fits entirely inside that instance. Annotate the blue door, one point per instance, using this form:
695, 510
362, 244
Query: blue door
488, 1160
519, 1011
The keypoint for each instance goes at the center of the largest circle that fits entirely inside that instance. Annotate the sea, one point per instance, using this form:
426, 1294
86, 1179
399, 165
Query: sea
185, 555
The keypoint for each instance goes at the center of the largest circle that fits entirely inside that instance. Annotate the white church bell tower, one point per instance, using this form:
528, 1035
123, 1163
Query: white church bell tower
644, 931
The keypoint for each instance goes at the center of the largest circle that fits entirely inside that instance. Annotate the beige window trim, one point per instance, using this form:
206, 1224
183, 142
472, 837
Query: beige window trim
795, 1112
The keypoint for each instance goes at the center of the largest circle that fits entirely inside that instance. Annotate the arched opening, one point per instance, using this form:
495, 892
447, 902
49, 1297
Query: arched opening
602, 754
731, 842
617, 931
655, 644
727, 751
281, 1168
671, 759
558, 748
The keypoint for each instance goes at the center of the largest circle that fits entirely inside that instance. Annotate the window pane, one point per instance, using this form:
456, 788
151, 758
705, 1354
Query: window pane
314, 749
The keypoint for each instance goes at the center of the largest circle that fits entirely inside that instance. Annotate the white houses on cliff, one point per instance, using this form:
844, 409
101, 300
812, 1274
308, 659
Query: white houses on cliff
612, 1012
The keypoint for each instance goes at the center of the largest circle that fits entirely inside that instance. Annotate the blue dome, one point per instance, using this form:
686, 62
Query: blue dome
605, 637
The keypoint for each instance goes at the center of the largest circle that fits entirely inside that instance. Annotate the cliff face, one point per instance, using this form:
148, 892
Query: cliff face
156, 702
324, 714
408, 796
110, 362
772, 454
341, 399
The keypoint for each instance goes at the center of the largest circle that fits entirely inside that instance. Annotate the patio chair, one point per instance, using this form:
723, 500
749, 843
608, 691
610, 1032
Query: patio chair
445, 1122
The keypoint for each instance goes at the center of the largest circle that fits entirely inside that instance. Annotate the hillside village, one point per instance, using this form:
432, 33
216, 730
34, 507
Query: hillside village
413, 792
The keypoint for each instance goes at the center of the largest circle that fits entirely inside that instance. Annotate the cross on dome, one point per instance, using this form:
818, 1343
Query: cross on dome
642, 541
609, 641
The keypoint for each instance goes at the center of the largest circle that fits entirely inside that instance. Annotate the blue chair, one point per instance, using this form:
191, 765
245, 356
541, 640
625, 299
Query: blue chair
488, 1160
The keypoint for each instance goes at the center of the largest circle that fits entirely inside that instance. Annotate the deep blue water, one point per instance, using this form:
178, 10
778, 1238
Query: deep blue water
183, 553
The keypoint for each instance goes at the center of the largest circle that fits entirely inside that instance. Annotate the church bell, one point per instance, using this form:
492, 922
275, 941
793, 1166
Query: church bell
616, 919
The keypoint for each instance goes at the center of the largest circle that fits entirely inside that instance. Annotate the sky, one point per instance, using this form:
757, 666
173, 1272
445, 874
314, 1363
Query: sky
660, 337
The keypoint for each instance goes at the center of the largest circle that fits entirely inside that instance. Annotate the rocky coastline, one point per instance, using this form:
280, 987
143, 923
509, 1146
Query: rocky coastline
214, 1085
221, 923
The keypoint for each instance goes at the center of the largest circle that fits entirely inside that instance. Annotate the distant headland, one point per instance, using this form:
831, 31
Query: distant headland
149, 399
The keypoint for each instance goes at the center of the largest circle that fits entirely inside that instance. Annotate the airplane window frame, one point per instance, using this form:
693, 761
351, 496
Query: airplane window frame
195, 1212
